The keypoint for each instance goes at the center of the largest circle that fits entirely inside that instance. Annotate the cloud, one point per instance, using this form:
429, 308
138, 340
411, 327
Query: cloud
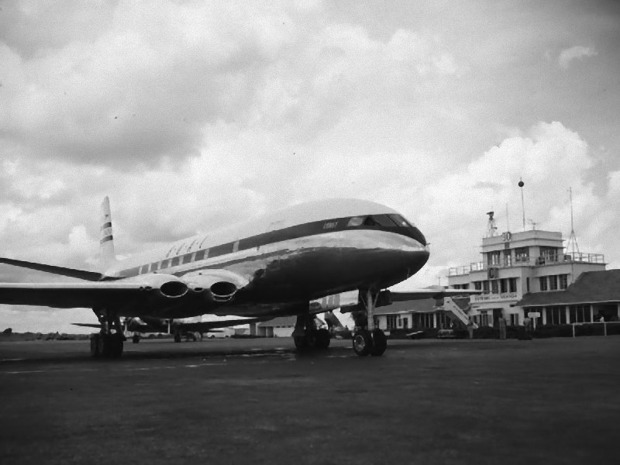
150, 83
578, 52
550, 158
192, 116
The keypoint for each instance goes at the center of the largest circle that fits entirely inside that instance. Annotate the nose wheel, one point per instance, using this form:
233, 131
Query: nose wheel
368, 340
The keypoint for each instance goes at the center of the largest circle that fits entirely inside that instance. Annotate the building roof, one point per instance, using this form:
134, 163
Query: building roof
590, 287
408, 306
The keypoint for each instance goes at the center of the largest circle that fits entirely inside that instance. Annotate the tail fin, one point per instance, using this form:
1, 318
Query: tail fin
106, 247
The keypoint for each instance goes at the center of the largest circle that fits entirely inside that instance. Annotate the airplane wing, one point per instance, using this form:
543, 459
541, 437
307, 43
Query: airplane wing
430, 293
59, 270
207, 288
71, 295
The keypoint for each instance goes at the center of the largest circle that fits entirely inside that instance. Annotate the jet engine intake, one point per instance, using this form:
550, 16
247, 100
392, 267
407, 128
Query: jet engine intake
165, 286
216, 285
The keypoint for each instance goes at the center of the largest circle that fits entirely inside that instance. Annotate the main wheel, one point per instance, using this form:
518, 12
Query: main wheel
112, 345
323, 339
300, 342
379, 343
362, 342
96, 346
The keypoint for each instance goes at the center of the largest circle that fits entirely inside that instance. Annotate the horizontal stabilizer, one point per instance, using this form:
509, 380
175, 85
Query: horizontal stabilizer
58, 270
87, 325
206, 326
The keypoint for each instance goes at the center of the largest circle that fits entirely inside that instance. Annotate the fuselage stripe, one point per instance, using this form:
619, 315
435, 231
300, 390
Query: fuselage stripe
281, 235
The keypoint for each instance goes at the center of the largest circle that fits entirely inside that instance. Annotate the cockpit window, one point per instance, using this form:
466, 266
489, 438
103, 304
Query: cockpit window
400, 221
375, 220
385, 221
355, 221
370, 221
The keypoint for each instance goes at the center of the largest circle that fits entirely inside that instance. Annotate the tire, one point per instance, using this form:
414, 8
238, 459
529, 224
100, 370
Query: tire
379, 343
135, 338
95, 345
362, 342
112, 345
301, 343
323, 339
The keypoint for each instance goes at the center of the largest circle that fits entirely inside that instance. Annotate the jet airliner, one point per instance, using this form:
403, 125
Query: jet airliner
279, 264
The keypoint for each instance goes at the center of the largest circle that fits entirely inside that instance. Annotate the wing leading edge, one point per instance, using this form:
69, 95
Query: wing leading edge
58, 270
430, 293
71, 295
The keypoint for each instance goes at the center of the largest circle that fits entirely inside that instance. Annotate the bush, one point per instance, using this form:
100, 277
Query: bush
486, 332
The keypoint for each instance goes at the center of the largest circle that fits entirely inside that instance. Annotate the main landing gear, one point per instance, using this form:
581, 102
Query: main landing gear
368, 340
307, 336
108, 343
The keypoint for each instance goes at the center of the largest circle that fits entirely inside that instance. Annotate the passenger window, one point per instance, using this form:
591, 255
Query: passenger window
187, 258
164, 264
175, 261
154, 267
200, 255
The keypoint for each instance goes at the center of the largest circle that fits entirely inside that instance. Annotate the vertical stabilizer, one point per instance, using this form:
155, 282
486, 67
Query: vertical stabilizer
106, 242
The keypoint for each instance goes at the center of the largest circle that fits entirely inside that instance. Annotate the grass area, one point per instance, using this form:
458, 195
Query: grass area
546, 401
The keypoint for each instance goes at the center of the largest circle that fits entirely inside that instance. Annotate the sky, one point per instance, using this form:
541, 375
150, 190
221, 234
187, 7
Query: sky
195, 115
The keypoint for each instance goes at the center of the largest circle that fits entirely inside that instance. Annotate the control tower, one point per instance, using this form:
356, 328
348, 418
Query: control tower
515, 264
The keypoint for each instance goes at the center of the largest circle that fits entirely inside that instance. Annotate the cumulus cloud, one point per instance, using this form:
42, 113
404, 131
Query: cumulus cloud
577, 52
192, 116
147, 82
550, 158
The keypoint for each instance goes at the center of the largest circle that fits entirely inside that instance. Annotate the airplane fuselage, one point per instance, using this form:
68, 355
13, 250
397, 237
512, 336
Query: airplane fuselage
296, 255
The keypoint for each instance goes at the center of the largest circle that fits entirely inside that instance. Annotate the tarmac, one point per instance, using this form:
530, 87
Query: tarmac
551, 401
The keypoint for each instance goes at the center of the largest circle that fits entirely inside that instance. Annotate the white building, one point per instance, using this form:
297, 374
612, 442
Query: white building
516, 264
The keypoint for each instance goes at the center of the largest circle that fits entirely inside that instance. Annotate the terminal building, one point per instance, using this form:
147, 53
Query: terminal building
529, 274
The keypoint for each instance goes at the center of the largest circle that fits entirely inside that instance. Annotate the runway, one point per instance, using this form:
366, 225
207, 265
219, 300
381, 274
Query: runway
257, 401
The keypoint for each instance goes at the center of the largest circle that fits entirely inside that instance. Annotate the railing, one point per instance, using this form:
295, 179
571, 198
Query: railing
463, 270
569, 257
582, 257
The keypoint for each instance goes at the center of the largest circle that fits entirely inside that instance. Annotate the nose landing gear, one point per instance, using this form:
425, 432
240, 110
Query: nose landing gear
368, 340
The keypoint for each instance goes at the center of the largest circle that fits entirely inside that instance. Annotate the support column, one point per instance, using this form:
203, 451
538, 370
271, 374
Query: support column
370, 309
591, 313
567, 309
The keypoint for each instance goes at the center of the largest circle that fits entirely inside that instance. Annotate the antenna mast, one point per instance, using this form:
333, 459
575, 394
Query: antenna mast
572, 244
521, 184
491, 227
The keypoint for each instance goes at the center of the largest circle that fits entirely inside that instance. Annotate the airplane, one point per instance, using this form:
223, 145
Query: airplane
274, 265
189, 328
